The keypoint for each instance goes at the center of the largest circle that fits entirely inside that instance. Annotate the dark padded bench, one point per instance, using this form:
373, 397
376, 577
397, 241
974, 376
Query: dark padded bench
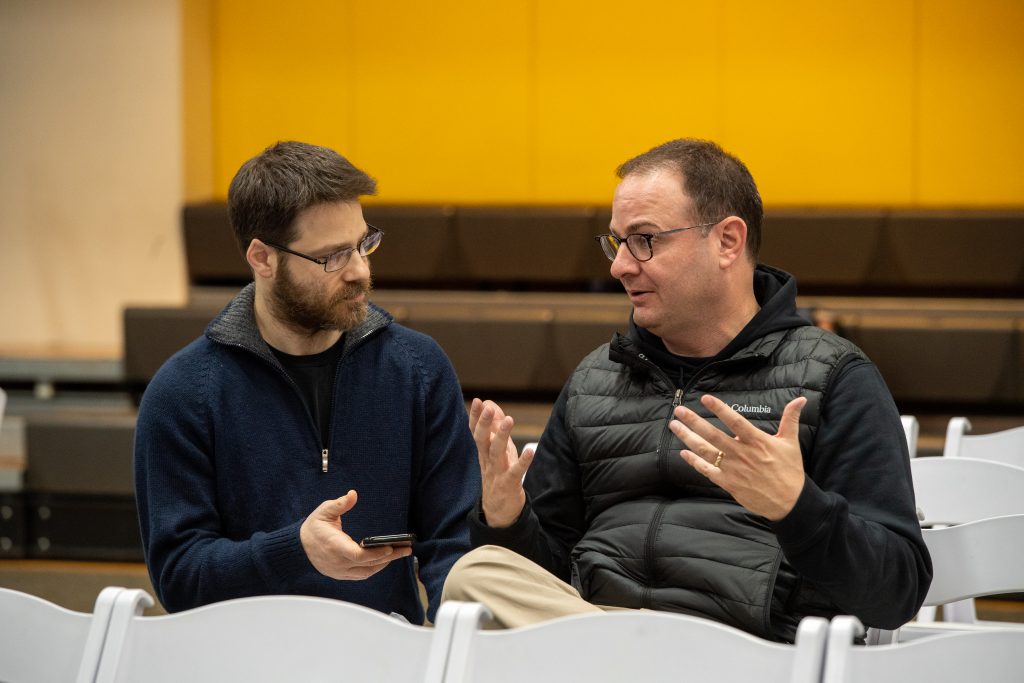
943, 251
417, 243
898, 252
824, 247
212, 255
524, 244
435, 245
858, 251
497, 342
944, 359
154, 334
79, 493
528, 343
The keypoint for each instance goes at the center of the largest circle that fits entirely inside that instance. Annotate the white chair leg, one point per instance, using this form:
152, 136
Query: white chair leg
962, 612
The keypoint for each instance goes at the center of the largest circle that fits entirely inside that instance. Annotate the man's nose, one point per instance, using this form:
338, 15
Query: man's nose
624, 263
358, 268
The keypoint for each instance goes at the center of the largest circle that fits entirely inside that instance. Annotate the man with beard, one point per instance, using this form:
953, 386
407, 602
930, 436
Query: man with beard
304, 419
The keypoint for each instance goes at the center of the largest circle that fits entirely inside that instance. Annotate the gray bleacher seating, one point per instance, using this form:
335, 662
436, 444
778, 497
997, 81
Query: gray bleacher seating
79, 494
964, 249
524, 244
529, 342
825, 247
541, 331
417, 243
830, 250
899, 252
492, 348
154, 334
13, 524
80, 452
944, 358
496, 341
212, 255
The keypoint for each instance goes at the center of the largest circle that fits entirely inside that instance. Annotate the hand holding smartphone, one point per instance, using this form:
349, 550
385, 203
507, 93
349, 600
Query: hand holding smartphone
398, 540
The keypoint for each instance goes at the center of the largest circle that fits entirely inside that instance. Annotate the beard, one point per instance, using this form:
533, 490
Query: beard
310, 310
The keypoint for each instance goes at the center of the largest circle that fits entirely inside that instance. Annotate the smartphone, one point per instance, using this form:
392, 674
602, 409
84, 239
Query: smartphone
388, 539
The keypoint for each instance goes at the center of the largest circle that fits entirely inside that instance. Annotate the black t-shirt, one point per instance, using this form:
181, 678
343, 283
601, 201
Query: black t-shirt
682, 368
314, 376
679, 367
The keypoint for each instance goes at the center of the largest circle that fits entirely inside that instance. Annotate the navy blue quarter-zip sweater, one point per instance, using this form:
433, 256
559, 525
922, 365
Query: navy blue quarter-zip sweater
229, 462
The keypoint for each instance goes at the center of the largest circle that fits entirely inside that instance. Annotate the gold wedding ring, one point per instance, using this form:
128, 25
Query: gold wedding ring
718, 460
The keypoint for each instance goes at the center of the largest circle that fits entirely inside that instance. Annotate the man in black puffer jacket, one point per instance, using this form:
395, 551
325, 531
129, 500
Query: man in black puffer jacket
725, 459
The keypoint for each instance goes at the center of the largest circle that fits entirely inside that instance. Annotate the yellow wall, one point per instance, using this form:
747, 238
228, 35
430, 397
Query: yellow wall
890, 102
197, 98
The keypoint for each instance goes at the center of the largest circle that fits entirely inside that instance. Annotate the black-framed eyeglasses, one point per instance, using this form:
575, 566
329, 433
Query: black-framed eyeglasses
340, 259
640, 244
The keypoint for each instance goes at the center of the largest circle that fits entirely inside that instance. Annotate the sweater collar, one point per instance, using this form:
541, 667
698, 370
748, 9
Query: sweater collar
236, 325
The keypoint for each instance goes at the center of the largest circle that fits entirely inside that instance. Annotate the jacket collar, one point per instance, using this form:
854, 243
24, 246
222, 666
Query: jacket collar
236, 325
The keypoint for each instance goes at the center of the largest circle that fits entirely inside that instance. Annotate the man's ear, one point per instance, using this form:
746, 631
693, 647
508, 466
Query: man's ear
262, 259
732, 240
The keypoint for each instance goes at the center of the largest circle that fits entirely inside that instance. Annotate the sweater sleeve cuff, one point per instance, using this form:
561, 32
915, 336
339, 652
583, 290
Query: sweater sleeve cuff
510, 537
807, 521
279, 555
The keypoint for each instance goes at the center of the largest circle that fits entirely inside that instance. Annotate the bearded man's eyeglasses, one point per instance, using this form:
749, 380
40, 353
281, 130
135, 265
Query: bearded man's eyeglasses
340, 259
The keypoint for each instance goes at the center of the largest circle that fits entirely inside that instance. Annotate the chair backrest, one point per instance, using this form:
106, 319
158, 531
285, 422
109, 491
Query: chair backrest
1006, 446
272, 638
955, 491
983, 656
41, 641
958, 490
630, 646
979, 558
911, 429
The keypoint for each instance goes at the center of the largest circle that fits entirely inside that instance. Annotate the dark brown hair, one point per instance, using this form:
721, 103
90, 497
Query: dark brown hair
271, 189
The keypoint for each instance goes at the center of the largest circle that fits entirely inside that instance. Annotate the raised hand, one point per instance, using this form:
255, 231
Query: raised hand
501, 468
763, 472
333, 552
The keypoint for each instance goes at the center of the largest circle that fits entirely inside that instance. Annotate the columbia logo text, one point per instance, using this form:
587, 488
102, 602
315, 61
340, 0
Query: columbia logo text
751, 409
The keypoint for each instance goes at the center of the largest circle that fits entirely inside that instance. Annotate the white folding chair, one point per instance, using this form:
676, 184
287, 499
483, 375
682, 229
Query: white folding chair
951, 491
980, 558
41, 641
272, 638
983, 656
1006, 446
976, 559
911, 429
629, 646
958, 490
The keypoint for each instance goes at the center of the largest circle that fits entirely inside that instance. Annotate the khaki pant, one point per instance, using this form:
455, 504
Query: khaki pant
518, 592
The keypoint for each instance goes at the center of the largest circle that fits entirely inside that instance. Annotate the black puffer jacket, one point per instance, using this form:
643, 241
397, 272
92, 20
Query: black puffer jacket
615, 510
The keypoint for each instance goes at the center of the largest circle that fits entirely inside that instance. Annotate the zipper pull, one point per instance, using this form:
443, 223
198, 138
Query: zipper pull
323, 459
678, 399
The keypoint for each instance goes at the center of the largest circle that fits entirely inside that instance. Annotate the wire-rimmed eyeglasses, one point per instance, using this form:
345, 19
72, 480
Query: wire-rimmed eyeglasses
340, 258
640, 244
